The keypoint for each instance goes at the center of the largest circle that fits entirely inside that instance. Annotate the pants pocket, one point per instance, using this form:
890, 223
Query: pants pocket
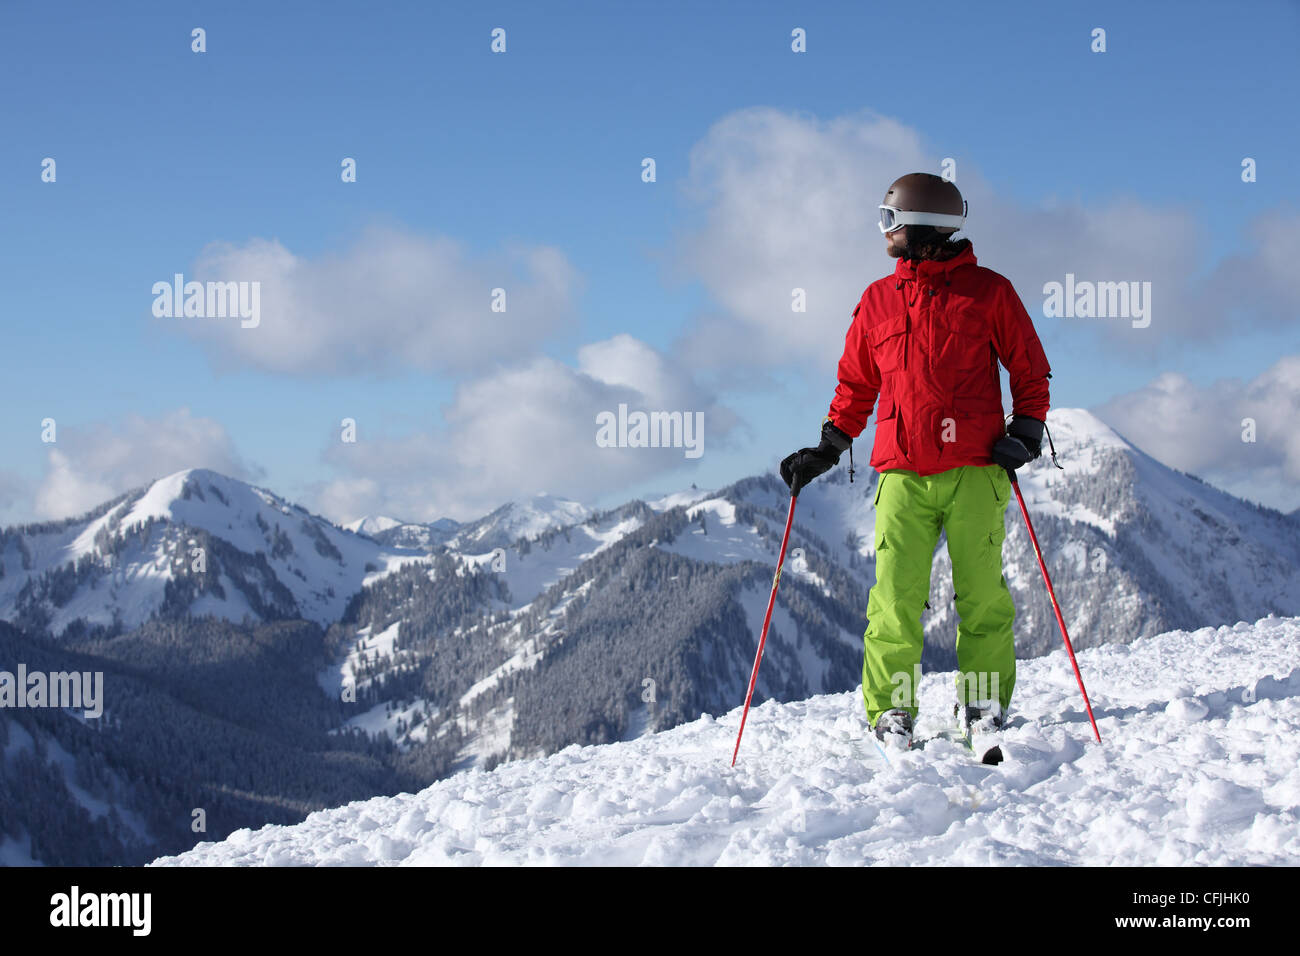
997, 475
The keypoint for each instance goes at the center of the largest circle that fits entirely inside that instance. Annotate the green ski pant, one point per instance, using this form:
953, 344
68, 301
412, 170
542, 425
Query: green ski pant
969, 503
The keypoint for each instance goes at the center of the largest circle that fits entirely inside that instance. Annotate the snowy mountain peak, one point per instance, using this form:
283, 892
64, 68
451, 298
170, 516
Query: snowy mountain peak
525, 518
372, 524
1084, 443
195, 542
1081, 425
195, 492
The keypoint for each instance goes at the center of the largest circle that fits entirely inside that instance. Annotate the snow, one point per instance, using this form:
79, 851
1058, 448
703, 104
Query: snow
526, 657
1200, 764
134, 589
234, 606
383, 719
526, 518
489, 735
811, 665
724, 541
365, 648
372, 524
830, 509
678, 499
528, 576
1085, 446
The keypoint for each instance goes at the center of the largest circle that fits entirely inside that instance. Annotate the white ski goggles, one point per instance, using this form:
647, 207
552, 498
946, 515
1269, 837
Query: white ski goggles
892, 218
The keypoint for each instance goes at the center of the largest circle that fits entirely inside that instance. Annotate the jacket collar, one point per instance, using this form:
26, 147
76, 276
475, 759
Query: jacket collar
907, 270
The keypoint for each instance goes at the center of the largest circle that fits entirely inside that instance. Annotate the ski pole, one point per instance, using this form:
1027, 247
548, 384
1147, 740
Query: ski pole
767, 619
1038, 552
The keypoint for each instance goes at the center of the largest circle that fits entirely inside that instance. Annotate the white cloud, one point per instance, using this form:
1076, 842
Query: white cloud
90, 464
393, 301
790, 201
1199, 428
1263, 283
348, 498
521, 430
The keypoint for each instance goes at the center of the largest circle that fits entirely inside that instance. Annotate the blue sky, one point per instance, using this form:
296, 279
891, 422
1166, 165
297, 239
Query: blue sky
162, 152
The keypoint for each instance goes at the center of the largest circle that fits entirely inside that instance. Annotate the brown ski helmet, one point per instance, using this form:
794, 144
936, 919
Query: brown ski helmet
923, 199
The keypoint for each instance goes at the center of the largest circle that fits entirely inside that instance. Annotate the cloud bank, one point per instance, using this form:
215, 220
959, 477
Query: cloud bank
527, 428
788, 201
394, 301
1203, 429
90, 464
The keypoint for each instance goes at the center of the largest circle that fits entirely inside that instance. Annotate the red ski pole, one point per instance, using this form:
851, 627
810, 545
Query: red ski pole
767, 619
1052, 594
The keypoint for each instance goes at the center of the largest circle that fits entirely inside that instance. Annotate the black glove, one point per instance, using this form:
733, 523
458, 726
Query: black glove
1030, 432
807, 463
1022, 443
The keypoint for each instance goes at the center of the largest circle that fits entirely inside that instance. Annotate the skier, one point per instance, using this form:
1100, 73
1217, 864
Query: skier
926, 341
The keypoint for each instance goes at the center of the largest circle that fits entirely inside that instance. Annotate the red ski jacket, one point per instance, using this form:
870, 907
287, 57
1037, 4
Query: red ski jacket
927, 340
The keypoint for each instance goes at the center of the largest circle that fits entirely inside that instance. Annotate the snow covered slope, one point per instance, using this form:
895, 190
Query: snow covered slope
393, 533
1200, 764
526, 518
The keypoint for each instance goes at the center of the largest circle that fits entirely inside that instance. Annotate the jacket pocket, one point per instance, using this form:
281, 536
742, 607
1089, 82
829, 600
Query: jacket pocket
962, 343
964, 363
888, 341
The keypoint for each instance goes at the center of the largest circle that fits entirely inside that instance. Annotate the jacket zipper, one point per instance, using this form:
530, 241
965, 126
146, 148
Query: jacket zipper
907, 340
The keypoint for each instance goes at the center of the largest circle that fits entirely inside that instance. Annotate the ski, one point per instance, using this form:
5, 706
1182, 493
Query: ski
982, 731
982, 738
987, 751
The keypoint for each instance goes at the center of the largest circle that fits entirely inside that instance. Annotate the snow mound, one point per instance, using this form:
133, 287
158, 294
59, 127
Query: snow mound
1200, 764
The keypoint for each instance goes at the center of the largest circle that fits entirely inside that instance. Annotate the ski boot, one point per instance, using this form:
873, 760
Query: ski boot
894, 729
980, 722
